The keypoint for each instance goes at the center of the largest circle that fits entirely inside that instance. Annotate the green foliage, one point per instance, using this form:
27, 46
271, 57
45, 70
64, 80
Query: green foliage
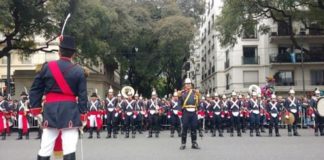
238, 16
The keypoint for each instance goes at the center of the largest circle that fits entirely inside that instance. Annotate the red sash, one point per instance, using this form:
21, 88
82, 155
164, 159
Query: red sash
67, 94
58, 148
24, 122
1, 122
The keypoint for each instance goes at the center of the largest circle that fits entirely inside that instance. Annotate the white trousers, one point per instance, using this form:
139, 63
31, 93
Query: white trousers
93, 120
20, 122
69, 141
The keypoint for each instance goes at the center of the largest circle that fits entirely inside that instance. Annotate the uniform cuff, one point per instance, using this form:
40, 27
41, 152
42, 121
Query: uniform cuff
35, 111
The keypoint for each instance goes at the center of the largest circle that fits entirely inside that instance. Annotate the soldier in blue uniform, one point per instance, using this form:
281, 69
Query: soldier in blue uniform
189, 100
254, 109
235, 108
139, 106
217, 118
153, 107
111, 116
274, 108
319, 121
175, 120
292, 105
22, 110
202, 115
64, 85
94, 115
128, 107
209, 123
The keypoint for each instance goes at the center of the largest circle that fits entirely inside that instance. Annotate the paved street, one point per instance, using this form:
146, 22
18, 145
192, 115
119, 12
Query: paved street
164, 148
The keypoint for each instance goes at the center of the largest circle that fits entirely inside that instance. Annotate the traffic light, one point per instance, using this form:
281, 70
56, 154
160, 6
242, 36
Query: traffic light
12, 88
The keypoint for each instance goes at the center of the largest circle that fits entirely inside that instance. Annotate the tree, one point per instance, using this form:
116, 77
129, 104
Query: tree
239, 16
21, 20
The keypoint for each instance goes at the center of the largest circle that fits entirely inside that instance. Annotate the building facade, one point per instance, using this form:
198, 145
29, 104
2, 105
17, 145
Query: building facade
256, 56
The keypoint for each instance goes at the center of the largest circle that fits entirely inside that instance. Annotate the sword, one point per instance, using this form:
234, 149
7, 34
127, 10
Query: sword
66, 19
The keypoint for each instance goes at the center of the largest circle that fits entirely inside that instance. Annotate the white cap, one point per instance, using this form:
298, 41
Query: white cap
136, 94
208, 95
317, 91
273, 96
187, 81
110, 90
216, 94
254, 94
224, 96
119, 95
154, 92
233, 93
248, 96
175, 93
203, 98
240, 96
291, 91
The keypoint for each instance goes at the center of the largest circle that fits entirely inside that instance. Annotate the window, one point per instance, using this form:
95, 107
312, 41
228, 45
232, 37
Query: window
250, 55
250, 77
283, 29
227, 81
284, 78
250, 34
317, 77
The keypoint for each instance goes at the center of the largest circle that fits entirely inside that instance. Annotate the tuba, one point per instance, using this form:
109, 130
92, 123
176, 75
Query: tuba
127, 89
254, 88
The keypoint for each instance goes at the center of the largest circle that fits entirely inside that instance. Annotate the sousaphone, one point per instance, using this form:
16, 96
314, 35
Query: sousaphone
320, 106
126, 90
288, 118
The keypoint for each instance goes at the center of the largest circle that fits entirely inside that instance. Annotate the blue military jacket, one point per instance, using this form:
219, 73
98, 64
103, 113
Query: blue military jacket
60, 114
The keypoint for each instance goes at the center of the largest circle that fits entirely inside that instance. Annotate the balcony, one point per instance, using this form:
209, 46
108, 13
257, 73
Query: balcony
250, 60
226, 64
286, 58
281, 38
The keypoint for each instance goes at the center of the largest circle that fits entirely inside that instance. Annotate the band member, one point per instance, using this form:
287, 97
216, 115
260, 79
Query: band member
175, 109
128, 107
235, 108
274, 108
63, 83
153, 107
292, 105
245, 115
94, 116
209, 119
111, 116
254, 109
217, 118
189, 100
23, 110
319, 121
202, 115
120, 114
139, 106
226, 117
3, 111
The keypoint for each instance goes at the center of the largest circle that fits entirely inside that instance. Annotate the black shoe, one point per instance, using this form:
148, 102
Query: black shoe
70, 156
200, 134
156, 135
19, 138
322, 134
108, 136
127, 135
98, 136
232, 134
251, 134
270, 134
149, 136
195, 145
296, 134
289, 134
239, 134
133, 135
171, 135
258, 134
182, 147
277, 135
316, 134
221, 135
42, 158
214, 134
115, 135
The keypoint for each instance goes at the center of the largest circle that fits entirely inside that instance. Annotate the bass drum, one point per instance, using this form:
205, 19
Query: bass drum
320, 106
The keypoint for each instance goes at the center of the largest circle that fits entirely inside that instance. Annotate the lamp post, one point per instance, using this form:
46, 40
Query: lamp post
8, 75
302, 33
